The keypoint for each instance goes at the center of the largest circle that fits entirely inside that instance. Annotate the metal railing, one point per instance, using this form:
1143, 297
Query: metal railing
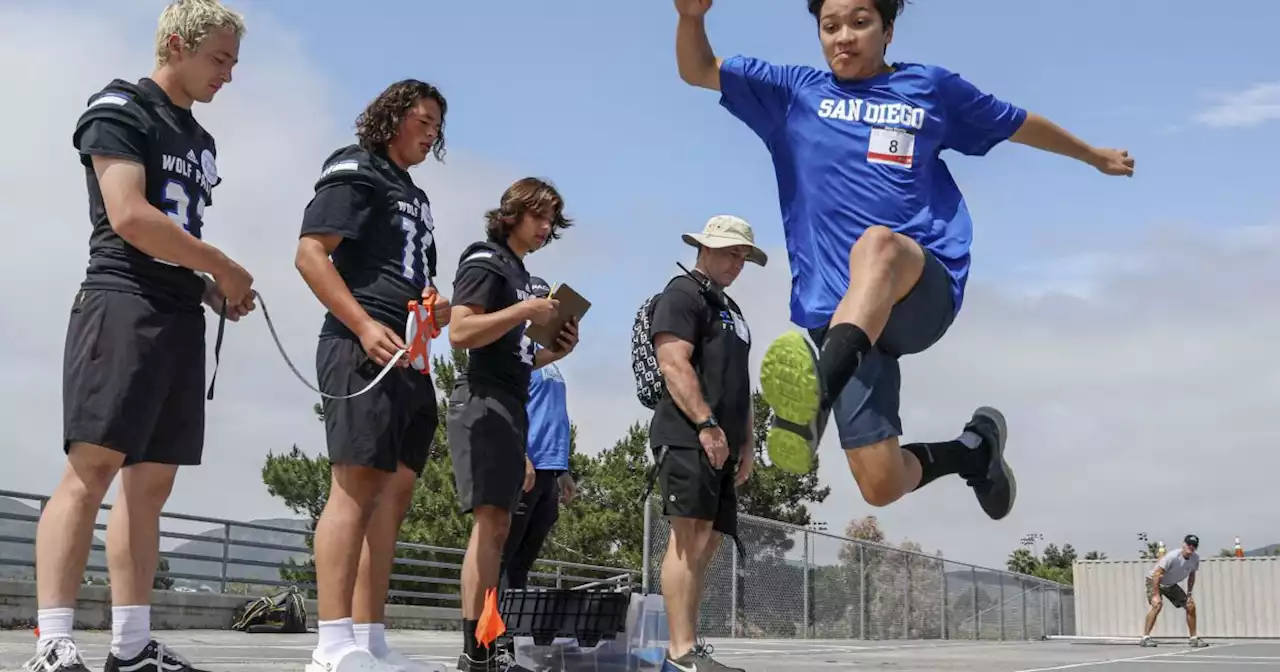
423, 574
803, 583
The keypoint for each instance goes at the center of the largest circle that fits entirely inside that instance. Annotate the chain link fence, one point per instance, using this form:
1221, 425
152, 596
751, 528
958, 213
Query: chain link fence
800, 583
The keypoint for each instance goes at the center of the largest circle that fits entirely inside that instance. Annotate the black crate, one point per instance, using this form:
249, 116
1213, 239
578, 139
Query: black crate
548, 613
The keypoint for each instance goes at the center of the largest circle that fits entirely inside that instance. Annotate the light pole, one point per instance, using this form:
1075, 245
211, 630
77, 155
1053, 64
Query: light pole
1032, 539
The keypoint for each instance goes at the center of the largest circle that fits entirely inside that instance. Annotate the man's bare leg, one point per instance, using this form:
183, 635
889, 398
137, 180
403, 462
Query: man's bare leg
682, 566
377, 558
64, 536
480, 571
339, 538
1152, 614
133, 552
1191, 620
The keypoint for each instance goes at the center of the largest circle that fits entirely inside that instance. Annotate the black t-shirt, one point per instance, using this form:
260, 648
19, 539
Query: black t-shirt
140, 123
388, 251
721, 350
492, 277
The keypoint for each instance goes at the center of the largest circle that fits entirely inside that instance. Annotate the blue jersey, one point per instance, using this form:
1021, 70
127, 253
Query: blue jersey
548, 419
849, 155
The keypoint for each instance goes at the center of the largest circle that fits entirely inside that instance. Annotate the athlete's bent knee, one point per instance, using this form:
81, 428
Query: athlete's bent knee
877, 245
90, 470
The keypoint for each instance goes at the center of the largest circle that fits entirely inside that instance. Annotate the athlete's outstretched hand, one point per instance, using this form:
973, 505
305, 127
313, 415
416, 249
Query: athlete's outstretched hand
693, 8
381, 343
1114, 162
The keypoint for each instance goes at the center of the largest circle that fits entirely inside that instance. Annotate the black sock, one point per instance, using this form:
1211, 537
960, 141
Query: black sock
946, 457
842, 351
469, 644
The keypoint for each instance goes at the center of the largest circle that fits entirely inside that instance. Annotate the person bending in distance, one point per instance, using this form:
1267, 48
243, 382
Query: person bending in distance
548, 481
702, 431
878, 234
487, 420
1162, 582
133, 373
366, 250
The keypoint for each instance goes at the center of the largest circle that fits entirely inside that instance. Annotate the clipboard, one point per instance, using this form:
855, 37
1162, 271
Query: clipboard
572, 305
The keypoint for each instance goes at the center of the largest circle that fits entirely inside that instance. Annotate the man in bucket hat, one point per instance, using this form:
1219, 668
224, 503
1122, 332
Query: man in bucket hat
702, 427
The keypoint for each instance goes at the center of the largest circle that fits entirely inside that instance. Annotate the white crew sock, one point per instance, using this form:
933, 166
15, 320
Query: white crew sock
130, 630
55, 624
372, 637
337, 638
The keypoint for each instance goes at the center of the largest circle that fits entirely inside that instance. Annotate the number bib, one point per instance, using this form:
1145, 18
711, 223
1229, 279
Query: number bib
891, 147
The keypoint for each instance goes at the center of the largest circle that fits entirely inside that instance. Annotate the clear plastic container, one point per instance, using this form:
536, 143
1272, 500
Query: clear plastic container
640, 648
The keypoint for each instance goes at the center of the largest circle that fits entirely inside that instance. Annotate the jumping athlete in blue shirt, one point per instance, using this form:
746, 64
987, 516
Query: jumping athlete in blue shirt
877, 236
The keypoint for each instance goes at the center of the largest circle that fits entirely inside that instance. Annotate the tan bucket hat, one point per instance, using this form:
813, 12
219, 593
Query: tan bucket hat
726, 231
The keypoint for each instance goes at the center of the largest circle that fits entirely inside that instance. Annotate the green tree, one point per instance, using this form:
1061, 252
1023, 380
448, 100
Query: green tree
1055, 564
603, 526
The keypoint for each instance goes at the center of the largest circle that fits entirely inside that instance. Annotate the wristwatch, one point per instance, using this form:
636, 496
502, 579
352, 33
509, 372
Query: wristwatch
708, 423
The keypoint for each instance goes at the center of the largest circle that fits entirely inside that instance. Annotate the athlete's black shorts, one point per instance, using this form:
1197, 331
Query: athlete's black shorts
391, 424
133, 377
488, 432
692, 488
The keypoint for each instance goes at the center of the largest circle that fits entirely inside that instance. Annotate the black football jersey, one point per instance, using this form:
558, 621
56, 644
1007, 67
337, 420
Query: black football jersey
139, 122
388, 253
491, 276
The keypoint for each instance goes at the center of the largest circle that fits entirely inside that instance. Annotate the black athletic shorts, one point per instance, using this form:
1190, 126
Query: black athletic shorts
692, 488
392, 423
133, 377
488, 431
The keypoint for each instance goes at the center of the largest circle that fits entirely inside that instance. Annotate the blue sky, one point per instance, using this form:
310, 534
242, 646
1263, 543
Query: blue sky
1110, 319
591, 99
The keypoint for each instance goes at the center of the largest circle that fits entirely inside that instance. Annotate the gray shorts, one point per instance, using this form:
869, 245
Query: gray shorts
866, 412
1174, 593
488, 430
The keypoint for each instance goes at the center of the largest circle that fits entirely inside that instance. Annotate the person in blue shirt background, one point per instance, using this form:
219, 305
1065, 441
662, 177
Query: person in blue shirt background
877, 236
548, 481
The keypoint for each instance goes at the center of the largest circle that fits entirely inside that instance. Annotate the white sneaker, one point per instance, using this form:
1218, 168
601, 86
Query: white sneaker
405, 664
58, 655
355, 660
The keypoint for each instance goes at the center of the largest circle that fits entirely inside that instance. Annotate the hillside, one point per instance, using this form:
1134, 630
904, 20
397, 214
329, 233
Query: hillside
213, 550
1272, 549
16, 551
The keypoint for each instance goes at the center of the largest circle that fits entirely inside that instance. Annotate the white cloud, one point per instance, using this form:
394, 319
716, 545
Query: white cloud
1139, 399
1253, 106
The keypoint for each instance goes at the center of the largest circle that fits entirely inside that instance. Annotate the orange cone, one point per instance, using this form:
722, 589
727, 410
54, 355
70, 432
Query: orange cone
1239, 548
490, 626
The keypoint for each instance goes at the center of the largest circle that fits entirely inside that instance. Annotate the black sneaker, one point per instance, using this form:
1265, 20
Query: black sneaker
696, 660
56, 655
156, 657
994, 486
500, 661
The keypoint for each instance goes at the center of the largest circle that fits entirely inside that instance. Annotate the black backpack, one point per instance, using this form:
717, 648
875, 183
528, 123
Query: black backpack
644, 358
282, 613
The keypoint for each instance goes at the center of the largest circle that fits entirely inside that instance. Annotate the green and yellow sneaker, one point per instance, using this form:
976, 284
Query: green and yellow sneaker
790, 382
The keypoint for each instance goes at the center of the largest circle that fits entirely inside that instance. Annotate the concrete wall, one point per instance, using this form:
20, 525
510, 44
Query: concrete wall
1235, 598
186, 611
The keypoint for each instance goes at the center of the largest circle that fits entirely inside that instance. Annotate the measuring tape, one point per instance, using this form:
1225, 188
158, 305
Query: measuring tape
419, 330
